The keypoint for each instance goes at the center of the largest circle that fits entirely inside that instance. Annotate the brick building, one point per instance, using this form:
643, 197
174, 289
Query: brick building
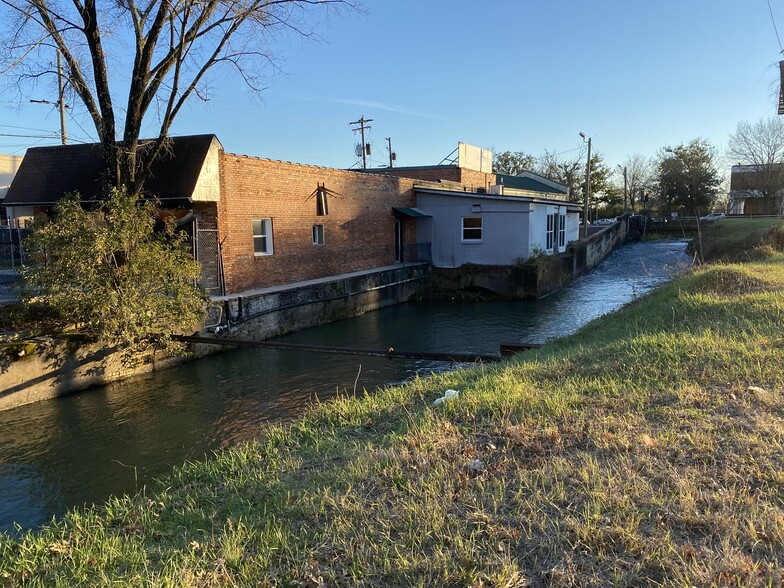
254, 222
756, 189
282, 222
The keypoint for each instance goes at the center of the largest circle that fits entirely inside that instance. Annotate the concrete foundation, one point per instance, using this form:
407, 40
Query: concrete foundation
539, 277
262, 314
44, 369
50, 368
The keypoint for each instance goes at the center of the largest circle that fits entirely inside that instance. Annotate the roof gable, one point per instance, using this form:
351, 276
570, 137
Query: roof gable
532, 182
48, 173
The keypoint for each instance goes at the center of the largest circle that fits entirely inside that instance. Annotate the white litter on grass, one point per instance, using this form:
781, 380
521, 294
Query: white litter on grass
475, 465
448, 395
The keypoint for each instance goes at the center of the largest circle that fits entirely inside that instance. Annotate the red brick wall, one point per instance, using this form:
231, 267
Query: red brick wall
446, 175
359, 229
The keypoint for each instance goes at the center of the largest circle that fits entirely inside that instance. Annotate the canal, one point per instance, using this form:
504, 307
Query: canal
115, 440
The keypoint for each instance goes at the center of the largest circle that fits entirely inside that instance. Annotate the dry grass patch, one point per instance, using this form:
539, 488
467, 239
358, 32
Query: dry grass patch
647, 450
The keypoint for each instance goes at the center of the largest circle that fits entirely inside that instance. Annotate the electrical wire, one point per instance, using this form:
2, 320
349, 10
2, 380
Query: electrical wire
775, 28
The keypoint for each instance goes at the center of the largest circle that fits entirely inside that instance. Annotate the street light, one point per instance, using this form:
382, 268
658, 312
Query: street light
587, 186
623, 169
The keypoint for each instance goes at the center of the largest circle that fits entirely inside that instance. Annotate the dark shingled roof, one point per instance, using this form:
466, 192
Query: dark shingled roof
48, 173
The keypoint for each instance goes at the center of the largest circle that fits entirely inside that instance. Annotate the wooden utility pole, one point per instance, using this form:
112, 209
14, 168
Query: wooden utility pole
60, 99
587, 202
392, 154
362, 122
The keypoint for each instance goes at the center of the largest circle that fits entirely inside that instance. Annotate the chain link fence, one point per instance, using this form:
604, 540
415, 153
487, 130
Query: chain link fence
12, 258
207, 252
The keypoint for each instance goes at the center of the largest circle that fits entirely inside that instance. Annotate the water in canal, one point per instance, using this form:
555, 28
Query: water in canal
82, 448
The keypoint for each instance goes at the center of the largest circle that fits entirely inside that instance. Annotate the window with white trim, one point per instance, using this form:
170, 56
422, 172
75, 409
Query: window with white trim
561, 230
318, 234
472, 228
550, 232
262, 236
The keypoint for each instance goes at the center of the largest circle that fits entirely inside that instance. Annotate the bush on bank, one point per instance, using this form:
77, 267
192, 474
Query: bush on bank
645, 450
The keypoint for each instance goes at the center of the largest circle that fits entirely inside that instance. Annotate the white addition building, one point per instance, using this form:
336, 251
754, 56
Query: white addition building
504, 226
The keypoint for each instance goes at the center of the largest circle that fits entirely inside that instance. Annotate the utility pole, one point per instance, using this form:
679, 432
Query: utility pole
362, 122
392, 154
625, 192
587, 187
60, 100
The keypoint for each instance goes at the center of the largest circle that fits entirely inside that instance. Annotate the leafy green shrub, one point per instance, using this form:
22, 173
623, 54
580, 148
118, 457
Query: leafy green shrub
110, 275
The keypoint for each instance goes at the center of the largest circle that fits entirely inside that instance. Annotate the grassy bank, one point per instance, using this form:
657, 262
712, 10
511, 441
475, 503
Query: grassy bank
646, 450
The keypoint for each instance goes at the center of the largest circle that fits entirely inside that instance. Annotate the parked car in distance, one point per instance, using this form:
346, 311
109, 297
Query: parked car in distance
713, 216
604, 221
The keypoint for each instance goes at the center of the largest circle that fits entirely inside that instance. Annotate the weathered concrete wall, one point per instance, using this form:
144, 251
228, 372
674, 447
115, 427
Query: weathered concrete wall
527, 280
539, 277
590, 252
264, 314
53, 368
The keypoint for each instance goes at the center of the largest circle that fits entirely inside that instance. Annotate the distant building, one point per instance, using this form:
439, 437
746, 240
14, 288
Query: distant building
9, 164
749, 186
530, 184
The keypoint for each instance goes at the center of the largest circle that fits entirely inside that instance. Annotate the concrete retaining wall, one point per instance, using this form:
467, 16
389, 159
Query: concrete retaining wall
48, 368
539, 277
591, 251
266, 314
53, 368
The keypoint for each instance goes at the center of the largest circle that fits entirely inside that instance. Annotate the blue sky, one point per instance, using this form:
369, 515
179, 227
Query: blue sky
504, 75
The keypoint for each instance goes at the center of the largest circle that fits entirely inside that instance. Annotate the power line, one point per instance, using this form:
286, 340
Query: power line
53, 136
775, 28
25, 128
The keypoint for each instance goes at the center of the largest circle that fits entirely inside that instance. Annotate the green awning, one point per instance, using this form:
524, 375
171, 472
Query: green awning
412, 212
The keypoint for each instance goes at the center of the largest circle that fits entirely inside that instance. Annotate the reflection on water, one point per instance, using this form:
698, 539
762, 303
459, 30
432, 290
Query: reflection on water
83, 448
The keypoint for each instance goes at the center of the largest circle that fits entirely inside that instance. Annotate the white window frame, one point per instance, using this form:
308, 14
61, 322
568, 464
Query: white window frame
262, 237
318, 234
561, 230
464, 228
550, 232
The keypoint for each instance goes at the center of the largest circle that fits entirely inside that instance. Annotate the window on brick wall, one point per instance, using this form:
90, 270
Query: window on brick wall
472, 228
318, 234
262, 236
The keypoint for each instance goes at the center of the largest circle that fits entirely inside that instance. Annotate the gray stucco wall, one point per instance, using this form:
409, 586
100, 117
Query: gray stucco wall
505, 229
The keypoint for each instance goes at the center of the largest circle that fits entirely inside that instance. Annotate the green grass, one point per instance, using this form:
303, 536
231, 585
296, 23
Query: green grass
736, 239
646, 450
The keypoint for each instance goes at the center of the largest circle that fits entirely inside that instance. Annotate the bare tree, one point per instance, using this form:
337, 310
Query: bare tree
569, 172
640, 172
761, 147
167, 47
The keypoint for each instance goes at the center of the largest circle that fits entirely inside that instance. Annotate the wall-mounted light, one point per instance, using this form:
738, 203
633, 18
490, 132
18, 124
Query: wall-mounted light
476, 208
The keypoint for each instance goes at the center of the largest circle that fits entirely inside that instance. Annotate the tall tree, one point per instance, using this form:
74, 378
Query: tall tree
640, 172
569, 172
761, 146
173, 44
513, 163
604, 193
688, 178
